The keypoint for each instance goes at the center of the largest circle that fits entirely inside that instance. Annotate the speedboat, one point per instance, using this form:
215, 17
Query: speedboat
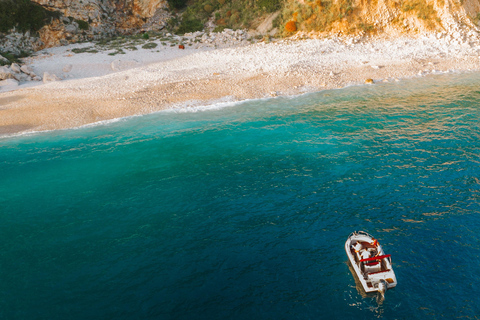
372, 266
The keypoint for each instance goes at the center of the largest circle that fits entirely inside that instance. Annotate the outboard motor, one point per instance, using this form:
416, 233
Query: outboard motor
382, 287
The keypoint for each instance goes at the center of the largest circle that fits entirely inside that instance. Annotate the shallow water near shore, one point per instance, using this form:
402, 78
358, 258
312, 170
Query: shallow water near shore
243, 211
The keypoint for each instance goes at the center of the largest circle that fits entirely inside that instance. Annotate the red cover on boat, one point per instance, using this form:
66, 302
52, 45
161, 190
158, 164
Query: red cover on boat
376, 258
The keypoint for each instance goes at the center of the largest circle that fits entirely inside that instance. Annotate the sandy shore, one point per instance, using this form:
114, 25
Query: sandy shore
146, 81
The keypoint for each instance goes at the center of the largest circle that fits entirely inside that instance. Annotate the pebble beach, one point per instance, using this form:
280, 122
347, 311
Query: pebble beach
84, 88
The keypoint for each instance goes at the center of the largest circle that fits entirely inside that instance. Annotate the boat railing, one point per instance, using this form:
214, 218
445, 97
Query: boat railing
360, 233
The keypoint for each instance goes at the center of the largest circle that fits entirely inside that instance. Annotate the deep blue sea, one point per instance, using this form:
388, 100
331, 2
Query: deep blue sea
241, 211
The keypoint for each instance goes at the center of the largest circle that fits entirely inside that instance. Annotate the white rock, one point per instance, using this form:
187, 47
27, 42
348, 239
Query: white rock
6, 73
71, 28
67, 68
50, 77
27, 70
22, 77
15, 68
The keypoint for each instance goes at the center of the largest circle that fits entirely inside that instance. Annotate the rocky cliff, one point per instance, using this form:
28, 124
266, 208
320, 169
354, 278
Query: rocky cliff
391, 17
73, 21
96, 19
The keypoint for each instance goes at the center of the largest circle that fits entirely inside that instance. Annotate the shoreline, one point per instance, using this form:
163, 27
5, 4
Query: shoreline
152, 81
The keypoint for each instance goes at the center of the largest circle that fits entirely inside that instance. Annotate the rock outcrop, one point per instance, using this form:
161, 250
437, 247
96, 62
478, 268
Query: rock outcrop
390, 17
16, 43
106, 16
18, 73
88, 20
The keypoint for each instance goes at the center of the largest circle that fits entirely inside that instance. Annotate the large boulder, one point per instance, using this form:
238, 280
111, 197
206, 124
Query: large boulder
26, 69
6, 73
22, 77
15, 68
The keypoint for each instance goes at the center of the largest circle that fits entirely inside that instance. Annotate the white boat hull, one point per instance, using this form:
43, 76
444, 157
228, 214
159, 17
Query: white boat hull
370, 263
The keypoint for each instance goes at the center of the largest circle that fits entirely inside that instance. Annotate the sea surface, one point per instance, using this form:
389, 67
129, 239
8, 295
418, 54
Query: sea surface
241, 211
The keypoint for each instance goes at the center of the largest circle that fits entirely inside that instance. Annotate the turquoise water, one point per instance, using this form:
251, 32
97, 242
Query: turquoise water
242, 212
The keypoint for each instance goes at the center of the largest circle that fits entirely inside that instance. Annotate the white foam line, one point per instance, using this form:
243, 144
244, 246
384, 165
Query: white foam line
93, 124
200, 106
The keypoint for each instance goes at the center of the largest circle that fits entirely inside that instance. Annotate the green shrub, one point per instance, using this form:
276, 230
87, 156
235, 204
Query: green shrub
235, 14
208, 8
423, 10
269, 5
13, 57
10, 58
86, 49
190, 25
25, 15
150, 45
177, 4
83, 25
219, 29
321, 15
145, 36
81, 50
118, 51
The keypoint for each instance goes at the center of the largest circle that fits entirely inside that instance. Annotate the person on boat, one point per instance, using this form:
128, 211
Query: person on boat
365, 254
358, 247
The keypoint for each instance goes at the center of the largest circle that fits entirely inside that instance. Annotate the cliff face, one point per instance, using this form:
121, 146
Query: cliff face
95, 19
421, 16
391, 17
